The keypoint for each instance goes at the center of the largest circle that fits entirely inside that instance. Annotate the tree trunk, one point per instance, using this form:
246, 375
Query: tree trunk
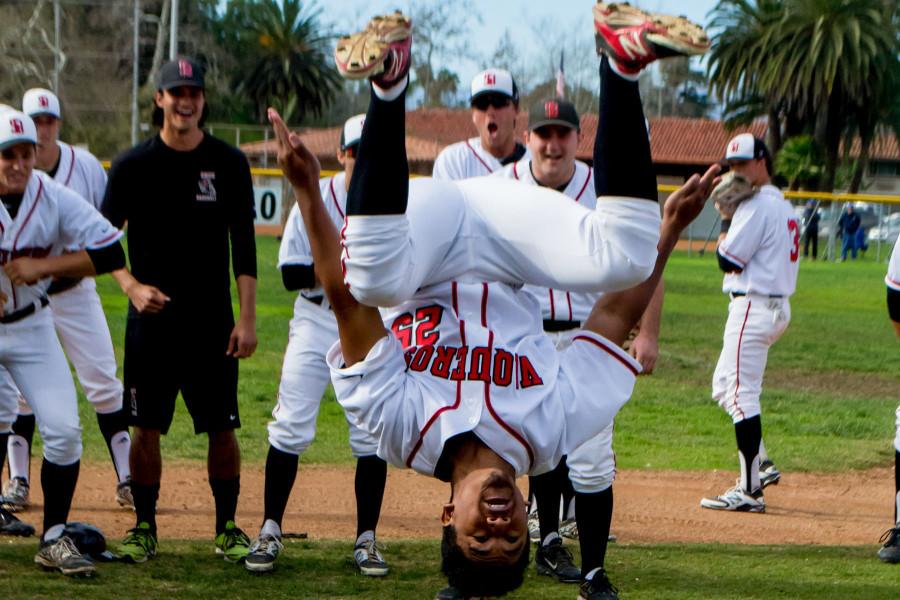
862, 164
774, 132
162, 36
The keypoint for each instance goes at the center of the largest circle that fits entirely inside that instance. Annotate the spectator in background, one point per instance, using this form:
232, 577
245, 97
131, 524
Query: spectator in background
861, 242
811, 229
848, 225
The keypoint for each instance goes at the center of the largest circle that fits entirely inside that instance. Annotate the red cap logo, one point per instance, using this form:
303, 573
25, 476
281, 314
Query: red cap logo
17, 126
44, 101
551, 109
490, 79
735, 146
185, 69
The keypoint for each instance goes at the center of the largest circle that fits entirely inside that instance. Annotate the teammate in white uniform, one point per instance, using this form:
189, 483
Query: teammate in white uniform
77, 314
890, 550
759, 249
495, 107
304, 377
40, 220
469, 388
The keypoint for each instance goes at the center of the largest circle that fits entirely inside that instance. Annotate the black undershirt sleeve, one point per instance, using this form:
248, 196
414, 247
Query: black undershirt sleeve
113, 206
893, 302
243, 237
298, 277
726, 265
108, 258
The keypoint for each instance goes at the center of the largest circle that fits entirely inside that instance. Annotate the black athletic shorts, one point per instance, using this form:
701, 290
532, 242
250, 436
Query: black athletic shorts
166, 355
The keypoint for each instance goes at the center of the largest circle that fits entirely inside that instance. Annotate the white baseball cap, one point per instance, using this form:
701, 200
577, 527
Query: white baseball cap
352, 132
5, 107
38, 101
746, 147
494, 81
16, 128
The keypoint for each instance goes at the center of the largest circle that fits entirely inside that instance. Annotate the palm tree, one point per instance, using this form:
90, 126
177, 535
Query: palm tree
290, 59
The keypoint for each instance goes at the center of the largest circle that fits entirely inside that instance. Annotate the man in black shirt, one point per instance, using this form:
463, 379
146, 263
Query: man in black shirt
183, 194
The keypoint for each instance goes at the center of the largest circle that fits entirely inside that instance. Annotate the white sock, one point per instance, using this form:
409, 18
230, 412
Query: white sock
54, 532
550, 537
19, 456
763, 455
749, 474
121, 447
393, 92
270, 527
364, 537
897, 500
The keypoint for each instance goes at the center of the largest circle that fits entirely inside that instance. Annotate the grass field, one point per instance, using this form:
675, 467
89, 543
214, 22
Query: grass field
828, 405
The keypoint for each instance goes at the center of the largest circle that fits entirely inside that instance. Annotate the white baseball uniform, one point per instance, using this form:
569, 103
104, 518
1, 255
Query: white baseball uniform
313, 329
764, 242
469, 352
892, 279
50, 219
467, 159
592, 465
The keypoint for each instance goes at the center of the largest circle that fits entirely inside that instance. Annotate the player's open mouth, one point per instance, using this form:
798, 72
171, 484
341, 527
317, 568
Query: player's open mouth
492, 128
498, 505
184, 113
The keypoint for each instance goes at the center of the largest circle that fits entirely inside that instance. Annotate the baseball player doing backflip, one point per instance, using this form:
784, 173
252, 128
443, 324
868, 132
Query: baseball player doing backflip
304, 377
77, 314
468, 388
890, 549
759, 251
41, 221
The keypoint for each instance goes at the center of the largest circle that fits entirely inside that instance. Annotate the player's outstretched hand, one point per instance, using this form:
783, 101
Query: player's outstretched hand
242, 343
147, 299
24, 271
685, 203
300, 166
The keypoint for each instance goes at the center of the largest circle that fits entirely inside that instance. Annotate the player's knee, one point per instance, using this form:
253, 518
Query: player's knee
107, 403
592, 483
288, 443
62, 447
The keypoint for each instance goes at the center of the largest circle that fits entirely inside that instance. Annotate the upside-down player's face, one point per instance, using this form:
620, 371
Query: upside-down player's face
490, 517
182, 107
16, 165
553, 149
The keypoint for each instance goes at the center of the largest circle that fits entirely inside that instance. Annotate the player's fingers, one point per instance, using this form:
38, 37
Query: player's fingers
281, 130
706, 182
232, 344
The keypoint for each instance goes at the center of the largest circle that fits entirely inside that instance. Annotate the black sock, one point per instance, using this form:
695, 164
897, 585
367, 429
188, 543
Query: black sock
24, 426
145, 497
281, 472
58, 483
111, 424
749, 434
622, 162
380, 181
225, 492
371, 475
4, 439
593, 512
547, 490
896, 484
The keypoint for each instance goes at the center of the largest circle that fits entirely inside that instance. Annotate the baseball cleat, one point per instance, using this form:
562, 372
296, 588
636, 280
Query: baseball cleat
15, 494
232, 544
263, 552
568, 529
450, 593
555, 560
368, 558
890, 551
139, 545
62, 555
11, 525
598, 587
123, 494
634, 38
534, 527
738, 500
768, 474
381, 51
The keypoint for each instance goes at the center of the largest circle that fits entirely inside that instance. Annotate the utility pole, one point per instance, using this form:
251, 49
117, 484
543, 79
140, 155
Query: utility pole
135, 57
173, 32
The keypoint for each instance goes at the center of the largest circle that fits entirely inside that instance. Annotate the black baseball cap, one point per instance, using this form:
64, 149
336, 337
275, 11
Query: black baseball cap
553, 111
183, 71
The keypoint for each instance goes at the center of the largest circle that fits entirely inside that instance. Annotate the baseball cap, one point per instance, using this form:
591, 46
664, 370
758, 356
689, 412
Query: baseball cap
553, 111
494, 81
38, 101
183, 71
15, 128
746, 147
352, 131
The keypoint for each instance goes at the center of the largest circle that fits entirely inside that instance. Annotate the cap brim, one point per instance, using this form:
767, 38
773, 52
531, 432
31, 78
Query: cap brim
497, 92
739, 158
545, 122
351, 144
14, 141
181, 83
40, 113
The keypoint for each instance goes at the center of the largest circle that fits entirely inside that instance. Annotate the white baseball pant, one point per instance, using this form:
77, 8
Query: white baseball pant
754, 323
31, 353
304, 377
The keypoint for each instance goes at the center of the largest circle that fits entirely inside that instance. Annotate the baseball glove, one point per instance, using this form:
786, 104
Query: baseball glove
731, 191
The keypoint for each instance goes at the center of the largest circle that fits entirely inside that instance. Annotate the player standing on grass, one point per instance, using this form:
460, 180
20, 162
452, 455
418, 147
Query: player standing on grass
77, 314
184, 194
759, 250
469, 389
495, 108
304, 377
40, 220
890, 551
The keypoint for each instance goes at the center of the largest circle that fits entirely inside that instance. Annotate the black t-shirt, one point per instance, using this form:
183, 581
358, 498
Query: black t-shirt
181, 209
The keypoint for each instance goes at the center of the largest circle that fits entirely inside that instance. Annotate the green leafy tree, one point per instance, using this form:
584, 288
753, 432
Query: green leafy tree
801, 162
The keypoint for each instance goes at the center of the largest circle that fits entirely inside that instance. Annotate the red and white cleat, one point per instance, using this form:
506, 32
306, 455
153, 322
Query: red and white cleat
380, 52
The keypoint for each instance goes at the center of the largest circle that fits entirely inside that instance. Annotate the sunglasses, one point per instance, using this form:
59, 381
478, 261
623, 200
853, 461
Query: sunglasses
495, 100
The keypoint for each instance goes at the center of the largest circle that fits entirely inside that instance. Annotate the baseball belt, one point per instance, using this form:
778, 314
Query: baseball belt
25, 312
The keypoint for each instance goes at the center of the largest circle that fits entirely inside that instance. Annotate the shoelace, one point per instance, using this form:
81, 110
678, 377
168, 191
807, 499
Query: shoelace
140, 537
64, 548
235, 536
373, 549
891, 536
264, 543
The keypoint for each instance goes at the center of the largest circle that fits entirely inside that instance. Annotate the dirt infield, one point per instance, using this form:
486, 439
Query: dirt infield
651, 506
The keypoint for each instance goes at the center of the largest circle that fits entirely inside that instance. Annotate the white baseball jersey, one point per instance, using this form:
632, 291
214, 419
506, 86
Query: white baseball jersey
892, 279
466, 159
764, 241
50, 219
560, 305
80, 171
